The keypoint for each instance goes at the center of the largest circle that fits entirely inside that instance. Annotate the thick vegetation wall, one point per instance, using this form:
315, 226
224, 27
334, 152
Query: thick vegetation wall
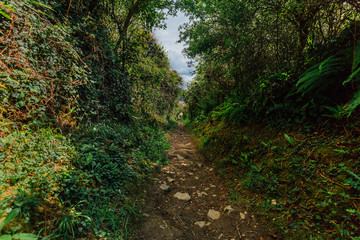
275, 105
86, 94
304, 181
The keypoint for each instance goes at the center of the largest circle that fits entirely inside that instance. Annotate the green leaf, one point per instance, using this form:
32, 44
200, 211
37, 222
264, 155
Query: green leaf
41, 5
5, 237
4, 14
72, 110
356, 61
25, 236
289, 139
351, 76
20, 104
2, 145
11, 216
354, 103
8, 6
353, 174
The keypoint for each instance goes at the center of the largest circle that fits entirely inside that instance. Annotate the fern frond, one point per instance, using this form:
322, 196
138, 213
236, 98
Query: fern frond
320, 74
354, 103
352, 76
356, 61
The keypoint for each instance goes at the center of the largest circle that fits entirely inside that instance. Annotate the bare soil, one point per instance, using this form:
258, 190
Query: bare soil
166, 217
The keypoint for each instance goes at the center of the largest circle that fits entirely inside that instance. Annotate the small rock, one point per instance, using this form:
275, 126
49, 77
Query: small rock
212, 185
242, 216
229, 209
197, 178
213, 215
273, 202
211, 169
182, 196
201, 224
200, 194
190, 173
164, 187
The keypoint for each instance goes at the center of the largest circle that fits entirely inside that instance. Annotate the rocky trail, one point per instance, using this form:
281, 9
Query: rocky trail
188, 200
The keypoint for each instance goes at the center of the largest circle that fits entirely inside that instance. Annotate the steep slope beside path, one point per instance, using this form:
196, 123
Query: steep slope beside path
187, 200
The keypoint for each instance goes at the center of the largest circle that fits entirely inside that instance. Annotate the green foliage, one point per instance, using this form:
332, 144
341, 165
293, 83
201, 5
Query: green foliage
284, 64
11, 215
256, 53
30, 87
92, 176
25, 150
289, 139
85, 91
321, 79
313, 180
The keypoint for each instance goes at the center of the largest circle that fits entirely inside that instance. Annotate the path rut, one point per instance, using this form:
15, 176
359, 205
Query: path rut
167, 217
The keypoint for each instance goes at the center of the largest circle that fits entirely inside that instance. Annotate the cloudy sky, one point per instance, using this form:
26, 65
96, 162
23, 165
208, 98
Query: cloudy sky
168, 38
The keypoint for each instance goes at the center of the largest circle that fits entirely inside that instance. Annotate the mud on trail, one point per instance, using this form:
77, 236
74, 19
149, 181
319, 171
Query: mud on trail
188, 200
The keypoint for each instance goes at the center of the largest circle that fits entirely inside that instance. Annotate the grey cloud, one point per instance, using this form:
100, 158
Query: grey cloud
168, 38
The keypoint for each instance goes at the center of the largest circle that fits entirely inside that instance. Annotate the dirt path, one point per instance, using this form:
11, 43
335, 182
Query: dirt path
168, 217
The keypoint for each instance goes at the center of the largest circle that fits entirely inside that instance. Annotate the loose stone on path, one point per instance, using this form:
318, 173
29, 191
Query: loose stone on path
164, 187
182, 196
201, 224
193, 202
213, 214
200, 194
229, 209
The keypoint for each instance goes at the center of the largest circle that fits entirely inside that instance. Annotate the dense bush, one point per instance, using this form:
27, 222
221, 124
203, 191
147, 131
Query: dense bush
85, 93
256, 55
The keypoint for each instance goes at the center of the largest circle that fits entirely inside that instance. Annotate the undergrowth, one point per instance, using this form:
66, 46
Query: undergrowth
305, 182
83, 114
80, 185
